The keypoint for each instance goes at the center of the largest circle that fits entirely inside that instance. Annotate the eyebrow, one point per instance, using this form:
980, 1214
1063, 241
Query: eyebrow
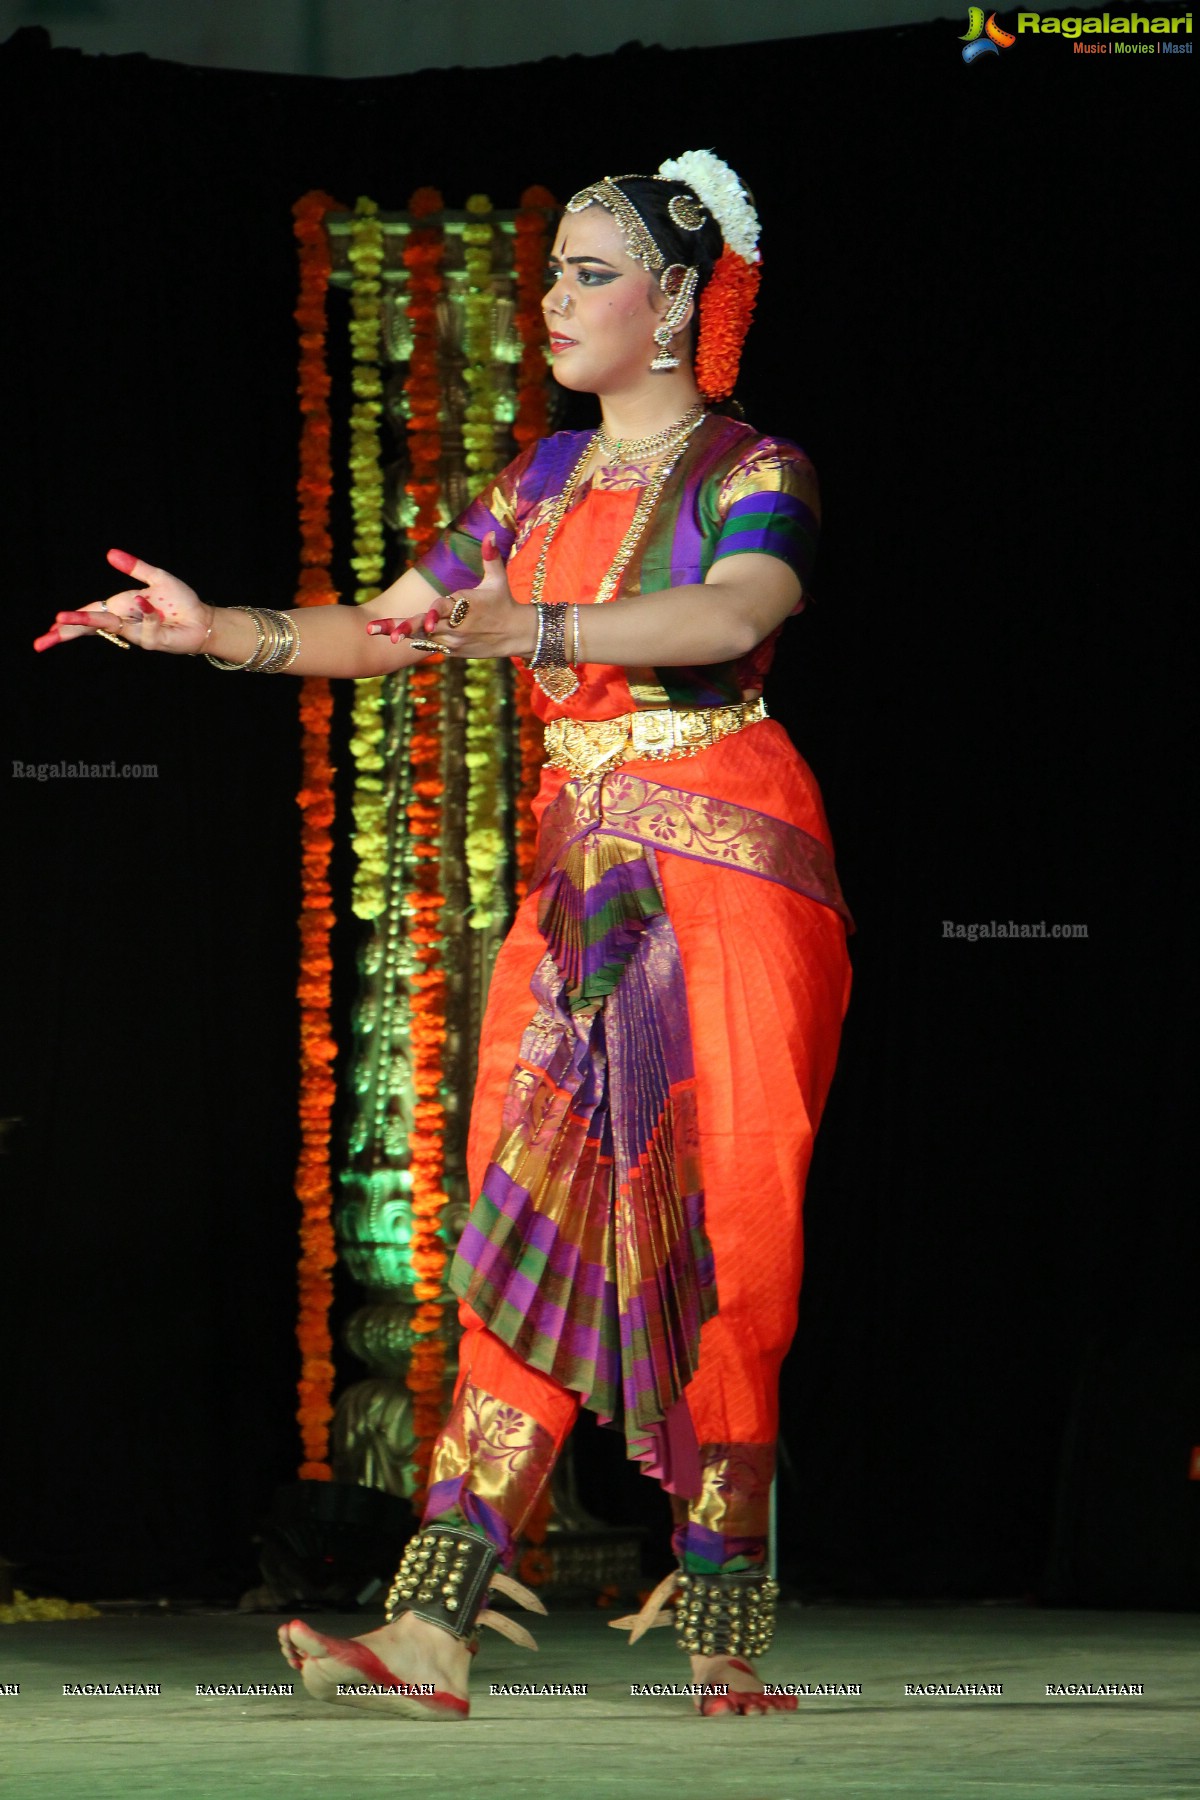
574, 260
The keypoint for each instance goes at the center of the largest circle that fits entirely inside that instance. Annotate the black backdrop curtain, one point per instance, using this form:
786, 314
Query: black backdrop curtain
971, 319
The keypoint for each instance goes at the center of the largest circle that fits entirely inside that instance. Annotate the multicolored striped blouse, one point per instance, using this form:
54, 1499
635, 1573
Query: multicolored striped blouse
732, 492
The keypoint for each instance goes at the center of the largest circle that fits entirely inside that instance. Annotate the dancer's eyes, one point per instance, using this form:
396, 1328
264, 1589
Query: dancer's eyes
585, 277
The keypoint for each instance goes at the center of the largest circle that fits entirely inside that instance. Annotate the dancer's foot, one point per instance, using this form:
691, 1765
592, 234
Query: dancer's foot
411, 1669
745, 1690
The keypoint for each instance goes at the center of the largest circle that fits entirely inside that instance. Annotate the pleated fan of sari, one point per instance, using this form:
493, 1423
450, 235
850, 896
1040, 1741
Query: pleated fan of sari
586, 1249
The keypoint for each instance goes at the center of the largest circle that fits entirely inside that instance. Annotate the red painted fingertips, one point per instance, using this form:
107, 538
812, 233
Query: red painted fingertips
121, 559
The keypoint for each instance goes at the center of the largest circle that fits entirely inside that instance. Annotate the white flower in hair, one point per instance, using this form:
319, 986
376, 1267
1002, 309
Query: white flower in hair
715, 184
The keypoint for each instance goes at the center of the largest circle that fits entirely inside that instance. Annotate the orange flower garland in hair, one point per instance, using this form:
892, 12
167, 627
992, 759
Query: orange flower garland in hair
726, 308
315, 800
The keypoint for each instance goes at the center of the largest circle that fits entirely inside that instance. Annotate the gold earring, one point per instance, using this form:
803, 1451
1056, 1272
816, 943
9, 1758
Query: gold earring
684, 281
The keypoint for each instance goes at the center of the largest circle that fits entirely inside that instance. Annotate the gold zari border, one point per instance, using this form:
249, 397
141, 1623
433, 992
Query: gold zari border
693, 825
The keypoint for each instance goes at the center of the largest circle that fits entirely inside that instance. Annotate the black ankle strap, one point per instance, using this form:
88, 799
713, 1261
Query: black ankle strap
444, 1578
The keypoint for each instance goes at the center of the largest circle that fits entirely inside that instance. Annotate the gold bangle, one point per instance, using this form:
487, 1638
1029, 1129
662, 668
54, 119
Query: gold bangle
285, 646
281, 641
200, 650
277, 646
219, 662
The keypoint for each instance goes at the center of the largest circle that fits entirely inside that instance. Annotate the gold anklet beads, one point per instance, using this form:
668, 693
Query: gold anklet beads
277, 646
726, 1615
445, 1577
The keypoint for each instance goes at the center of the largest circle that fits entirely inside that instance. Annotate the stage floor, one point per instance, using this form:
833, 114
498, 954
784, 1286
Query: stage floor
609, 1744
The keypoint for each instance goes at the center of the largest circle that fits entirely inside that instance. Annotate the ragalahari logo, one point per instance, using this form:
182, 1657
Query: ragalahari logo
984, 40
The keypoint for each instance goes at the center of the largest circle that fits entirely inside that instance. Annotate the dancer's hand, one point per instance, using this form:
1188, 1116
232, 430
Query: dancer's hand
490, 623
163, 615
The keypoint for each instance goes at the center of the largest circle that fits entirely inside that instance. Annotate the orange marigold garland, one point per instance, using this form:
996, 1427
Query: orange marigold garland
726, 308
529, 261
423, 256
425, 1375
531, 237
316, 802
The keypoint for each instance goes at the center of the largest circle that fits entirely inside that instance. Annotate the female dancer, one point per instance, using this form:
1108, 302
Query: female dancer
663, 1019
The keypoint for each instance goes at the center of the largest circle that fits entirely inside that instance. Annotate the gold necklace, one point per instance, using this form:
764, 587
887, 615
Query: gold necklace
678, 437
659, 442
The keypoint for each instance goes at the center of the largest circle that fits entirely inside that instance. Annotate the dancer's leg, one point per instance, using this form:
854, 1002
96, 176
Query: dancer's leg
490, 1463
768, 981
500, 1442
720, 1540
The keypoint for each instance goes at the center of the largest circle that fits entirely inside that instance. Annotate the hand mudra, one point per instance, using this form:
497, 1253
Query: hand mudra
165, 614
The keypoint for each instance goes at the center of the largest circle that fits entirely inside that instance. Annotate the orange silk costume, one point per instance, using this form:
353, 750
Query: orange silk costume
766, 973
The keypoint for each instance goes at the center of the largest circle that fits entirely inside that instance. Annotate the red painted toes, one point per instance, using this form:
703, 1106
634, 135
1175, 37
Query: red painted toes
742, 1705
337, 1668
291, 1654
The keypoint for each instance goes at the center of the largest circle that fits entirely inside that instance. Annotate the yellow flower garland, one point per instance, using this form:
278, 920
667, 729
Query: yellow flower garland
484, 848
366, 254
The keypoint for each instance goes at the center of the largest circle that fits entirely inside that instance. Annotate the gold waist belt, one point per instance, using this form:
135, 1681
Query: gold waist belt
594, 746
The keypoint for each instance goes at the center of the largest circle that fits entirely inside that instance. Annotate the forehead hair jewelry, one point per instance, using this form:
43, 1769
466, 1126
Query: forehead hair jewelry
638, 241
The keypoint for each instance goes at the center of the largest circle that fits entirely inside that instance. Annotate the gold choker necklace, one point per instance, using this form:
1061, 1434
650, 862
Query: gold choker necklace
617, 450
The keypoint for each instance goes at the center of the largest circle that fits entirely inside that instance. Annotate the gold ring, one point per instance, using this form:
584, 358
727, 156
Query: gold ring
110, 638
462, 607
425, 644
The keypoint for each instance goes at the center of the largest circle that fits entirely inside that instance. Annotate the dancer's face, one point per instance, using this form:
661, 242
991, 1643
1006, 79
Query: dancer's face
601, 307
